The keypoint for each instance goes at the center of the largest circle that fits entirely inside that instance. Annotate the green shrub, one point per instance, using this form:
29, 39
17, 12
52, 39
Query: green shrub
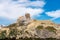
52, 29
3, 34
12, 32
40, 27
12, 25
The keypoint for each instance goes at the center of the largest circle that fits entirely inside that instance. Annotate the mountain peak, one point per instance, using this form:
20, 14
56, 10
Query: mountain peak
30, 28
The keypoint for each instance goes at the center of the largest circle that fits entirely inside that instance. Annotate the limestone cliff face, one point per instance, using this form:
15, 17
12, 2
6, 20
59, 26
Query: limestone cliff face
27, 27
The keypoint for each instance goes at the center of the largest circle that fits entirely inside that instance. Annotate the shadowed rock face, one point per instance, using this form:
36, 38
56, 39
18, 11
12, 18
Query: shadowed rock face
27, 15
44, 33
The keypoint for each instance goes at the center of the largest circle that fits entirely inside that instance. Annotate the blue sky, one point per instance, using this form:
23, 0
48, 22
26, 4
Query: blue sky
10, 10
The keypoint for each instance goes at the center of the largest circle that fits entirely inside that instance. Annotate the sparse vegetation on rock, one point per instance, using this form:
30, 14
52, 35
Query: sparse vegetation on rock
28, 28
40, 27
52, 29
3, 35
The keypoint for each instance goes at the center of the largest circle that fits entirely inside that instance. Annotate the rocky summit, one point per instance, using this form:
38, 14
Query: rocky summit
25, 27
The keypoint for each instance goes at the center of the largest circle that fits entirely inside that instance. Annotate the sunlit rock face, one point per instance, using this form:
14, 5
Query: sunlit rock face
58, 31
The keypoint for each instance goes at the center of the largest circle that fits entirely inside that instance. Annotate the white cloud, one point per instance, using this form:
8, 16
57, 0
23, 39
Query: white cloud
37, 3
23, 0
54, 14
11, 10
27, 3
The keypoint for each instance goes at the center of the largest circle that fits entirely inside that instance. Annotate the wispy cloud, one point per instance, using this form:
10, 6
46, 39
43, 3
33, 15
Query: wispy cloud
54, 14
12, 9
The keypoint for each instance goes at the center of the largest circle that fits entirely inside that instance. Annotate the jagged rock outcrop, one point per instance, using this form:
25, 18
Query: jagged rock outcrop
24, 20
